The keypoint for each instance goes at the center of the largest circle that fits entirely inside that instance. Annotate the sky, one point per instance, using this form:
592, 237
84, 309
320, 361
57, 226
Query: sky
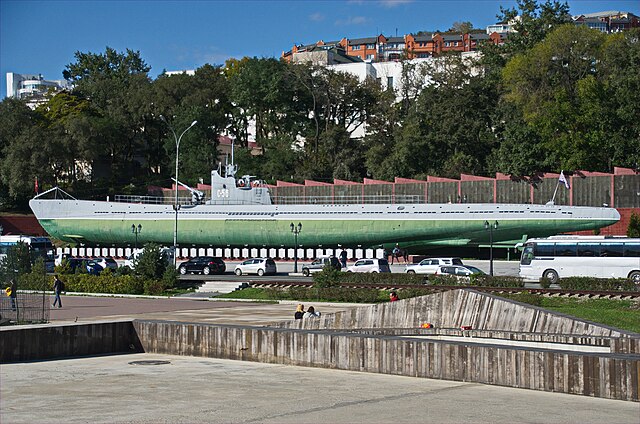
41, 37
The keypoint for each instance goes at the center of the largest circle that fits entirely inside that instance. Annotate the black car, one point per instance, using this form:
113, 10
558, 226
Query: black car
203, 265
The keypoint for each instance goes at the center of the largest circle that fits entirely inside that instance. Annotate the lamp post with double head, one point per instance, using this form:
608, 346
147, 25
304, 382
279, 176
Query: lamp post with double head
295, 229
490, 227
136, 230
176, 207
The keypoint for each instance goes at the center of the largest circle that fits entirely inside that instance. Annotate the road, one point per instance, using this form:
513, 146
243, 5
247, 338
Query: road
285, 271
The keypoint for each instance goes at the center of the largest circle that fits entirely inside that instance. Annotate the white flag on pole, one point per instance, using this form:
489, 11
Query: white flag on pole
564, 180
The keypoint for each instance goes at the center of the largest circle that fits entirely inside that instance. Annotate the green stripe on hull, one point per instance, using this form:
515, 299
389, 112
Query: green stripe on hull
275, 233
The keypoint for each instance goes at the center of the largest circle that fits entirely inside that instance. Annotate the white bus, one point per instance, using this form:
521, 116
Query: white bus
38, 247
580, 256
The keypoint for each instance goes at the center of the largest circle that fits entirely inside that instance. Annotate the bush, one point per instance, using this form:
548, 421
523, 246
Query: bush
492, 281
545, 283
328, 277
151, 264
591, 283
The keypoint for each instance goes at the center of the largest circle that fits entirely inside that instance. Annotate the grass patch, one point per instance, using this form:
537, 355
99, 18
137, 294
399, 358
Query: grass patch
249, 293
623, 314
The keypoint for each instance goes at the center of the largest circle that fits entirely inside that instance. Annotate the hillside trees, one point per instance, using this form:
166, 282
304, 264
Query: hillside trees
567, 106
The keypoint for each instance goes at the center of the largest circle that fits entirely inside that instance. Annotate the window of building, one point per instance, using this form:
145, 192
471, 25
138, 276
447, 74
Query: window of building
356, 47
389, 83
370, 56
446, 44
371, 46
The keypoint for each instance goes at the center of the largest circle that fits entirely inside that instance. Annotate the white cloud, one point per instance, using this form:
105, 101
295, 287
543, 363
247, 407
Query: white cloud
316, 17
394, 3
355, 20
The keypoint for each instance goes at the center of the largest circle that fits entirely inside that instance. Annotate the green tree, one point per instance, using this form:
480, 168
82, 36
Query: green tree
633, 230
572, 100
532, 21
151, 264
16, 263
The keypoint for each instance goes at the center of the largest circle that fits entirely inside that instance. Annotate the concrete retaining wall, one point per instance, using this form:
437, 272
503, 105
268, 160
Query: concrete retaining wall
464, 307
28, 343
601, 375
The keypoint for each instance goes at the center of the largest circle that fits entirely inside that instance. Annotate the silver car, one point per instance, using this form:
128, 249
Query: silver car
260, 266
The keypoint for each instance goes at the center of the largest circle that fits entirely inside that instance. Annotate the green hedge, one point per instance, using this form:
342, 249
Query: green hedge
106, 282
590, 283
332, 278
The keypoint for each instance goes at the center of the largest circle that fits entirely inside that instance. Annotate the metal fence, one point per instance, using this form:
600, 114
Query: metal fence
26, 307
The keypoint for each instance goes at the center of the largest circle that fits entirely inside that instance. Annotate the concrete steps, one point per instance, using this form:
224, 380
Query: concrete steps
221, 286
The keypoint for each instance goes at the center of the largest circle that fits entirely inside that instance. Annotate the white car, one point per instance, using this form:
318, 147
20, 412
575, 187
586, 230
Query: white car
260, 266
430, 265
370, 265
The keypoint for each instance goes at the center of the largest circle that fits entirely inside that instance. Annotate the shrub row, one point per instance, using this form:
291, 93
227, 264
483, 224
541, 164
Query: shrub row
106, 282
590, 283
332, 278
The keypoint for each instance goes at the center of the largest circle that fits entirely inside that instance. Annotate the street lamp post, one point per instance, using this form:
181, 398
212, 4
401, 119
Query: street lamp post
295, 229
136, 230
490, 227
176, 207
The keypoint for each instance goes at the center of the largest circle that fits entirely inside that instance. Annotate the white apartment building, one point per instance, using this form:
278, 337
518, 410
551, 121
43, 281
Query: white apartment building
32, 87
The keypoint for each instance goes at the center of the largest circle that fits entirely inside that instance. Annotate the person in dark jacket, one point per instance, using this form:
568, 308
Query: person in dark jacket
13, 294
299, 311
58, 287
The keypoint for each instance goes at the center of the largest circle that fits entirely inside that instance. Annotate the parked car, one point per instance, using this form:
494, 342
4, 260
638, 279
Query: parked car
260, 266
370, 265
430, 265
130, 262
86, 265
319, 264
203, 265
106, 263
459, 270
93, 267
60, 257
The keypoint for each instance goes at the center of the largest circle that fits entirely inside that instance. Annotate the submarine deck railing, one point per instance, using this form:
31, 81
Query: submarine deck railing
283, 200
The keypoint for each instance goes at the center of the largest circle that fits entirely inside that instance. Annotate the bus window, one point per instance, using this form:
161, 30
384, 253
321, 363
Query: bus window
566, 249
632, 250
545, 249
527, 255
611, 249
586, 249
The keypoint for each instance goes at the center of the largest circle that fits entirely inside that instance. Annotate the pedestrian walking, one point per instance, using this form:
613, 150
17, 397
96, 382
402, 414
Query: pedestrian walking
12, 292
58, 288
343, 258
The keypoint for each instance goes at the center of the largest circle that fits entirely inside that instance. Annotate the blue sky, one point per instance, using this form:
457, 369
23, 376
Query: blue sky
42, 36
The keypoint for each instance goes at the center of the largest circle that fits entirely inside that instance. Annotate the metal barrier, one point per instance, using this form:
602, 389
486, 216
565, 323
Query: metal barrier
31, 307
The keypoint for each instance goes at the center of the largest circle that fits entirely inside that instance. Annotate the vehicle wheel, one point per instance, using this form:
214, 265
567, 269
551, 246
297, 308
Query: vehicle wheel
238, 272
305, 272
411, 271
183, 270
551, 275
635, 277
261, 272
206, 270
374, 272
